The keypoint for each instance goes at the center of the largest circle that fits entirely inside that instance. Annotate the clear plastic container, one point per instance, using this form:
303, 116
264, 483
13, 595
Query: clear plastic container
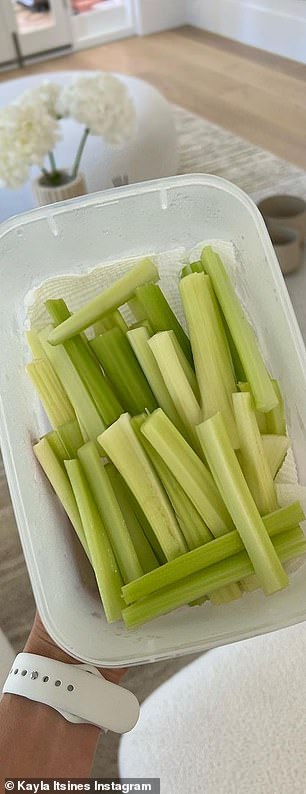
73, 237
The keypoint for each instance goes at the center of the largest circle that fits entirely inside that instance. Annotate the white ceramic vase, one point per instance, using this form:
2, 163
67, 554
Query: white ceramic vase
49, 194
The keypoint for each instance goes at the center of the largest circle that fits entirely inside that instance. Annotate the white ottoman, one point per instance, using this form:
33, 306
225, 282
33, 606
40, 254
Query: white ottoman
232, 722
151, 153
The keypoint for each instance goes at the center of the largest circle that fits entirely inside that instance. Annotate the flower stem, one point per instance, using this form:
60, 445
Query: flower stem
79, 152
52, 161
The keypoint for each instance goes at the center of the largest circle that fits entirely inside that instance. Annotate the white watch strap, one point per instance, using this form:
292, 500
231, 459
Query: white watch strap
78, 692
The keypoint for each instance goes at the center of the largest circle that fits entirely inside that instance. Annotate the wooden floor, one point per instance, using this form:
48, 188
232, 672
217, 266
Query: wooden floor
257, 95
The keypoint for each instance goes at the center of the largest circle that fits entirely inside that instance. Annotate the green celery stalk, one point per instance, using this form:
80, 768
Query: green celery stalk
188, 370
88, 368
110, 321
241, 331
35, 345
253, 461
142, 520
160, 315
139, 341
50, 391
229, 478
213, 364
121, 366
189, 471
178, 386
71, 437
110, 299
142, 546
56, 445
186, 270
276, 422
275, 450
125, 451
192, 525
283, 520
137, 309
224, 595
142, 324
101, 553
196, 267
286, 547
57, 476
261, 418
109, 510
89, 419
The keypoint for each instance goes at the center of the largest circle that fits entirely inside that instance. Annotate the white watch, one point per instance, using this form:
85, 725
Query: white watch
77, 691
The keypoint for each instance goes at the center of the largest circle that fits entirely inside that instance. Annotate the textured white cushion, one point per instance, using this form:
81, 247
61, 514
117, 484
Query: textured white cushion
232, 722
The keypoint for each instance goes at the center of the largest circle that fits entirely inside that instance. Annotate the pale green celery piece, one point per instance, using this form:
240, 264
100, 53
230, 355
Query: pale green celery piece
71, 437
276, 422
50, 391
160, 315
89, 419
189, 471
250, 583
275, 449
177, 384
196, 267
87, 366
139, 340
229, 478
141, 545
261, 418
253, 461
57, 476
241, 331
199, 601
224, 595
35, 345
103, 560
188, 369
127, 454
110, 299
284, 519
286, 546
142, 520
56, 445
121, 366
142, 324
211, 355
192, 525
129, 565
110, 321
186, 270
137, 309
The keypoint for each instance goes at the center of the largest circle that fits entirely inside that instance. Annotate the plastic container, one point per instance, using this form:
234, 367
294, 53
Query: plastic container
71, 238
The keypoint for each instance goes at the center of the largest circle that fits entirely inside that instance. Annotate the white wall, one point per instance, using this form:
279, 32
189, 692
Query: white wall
154, 15
278, 26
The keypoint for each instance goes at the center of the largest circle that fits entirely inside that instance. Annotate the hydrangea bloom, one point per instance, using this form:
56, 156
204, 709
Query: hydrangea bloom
102, 103
27, 134
46, 95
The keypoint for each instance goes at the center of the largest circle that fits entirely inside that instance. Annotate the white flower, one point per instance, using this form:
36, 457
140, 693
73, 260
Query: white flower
46, 95
27, 134
102, 103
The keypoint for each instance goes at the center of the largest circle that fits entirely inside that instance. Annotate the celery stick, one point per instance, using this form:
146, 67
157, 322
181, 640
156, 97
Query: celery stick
56, 445
71, 437
85, 409
110, 321
137, 309
60, 483
189, 471
286, 546
284, 519
275, 449
188, 370
192, 525
35, 345
125, 451
121, 366
160, 315
276, 422
50, 391
88, 368
142, 520
242, 333
111, 515
196, 267
110, 299
253, 461
186, 270
260, 417
240, 503
211, 355
177, 384
101, 553
224, 595
141, 545
142, 324
139, 341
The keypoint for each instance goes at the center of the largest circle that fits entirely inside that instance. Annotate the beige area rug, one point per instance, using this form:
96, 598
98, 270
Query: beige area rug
204, 147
